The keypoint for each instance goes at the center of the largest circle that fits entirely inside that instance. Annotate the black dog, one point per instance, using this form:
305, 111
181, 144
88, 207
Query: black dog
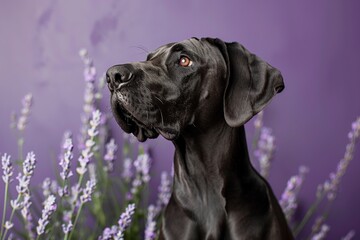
198, 94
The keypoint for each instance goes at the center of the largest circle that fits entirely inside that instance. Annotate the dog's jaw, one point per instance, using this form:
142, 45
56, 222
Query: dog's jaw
130, 122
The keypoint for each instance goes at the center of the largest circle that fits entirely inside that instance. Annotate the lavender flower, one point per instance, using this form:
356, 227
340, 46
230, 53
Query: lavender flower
67, 228
26, 214
258, 123
24, 177
48, 210
330, 187
7, 168
94, 123
117, 232
8, 225
124, 221
92, 171
46, 187
142, 167
90, 70
109, 157
265, 150
288, 201
349, 236
150, 229
89, 95
65, 160
164, 190
88, 191
127, 173
87, 153
25, 112
109, 233
322, 234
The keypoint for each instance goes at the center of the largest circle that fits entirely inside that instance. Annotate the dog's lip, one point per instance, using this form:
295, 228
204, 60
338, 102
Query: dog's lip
125, 122
168, 133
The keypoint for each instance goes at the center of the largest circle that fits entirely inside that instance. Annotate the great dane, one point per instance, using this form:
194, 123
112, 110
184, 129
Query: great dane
199, 93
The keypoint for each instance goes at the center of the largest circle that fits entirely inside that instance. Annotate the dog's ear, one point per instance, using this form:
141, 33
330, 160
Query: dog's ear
251, 83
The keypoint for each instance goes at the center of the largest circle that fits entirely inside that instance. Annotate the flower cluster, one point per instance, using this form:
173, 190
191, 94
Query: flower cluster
164, 190
48, 210
330, 186
88, 191
288, 200
150, 229
24, 180
117, 232
109, 157
322, 234
265, 150
65, 162
127, 173
20, 124
7, 168
87, 153
142, 169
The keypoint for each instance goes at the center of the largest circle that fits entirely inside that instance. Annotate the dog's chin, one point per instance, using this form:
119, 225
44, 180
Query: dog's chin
131, 125
142, 132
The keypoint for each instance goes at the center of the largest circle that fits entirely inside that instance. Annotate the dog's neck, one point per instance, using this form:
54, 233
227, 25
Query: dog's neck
210, 153
217, 160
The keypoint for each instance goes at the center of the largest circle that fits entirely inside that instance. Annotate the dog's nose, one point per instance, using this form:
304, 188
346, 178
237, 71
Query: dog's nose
119, 74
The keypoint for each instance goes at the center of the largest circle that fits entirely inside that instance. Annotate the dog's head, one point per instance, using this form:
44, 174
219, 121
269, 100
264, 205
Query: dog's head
190, 83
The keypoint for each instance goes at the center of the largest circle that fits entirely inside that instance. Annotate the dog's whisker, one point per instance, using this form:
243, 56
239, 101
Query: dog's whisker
158, 99
144, 49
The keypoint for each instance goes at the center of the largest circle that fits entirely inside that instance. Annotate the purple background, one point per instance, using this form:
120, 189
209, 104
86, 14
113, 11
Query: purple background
314, 44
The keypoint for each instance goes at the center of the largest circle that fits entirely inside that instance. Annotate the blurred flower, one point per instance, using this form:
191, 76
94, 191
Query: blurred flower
88, 191
26, 214
265, 150
25, 112
164, 190
330, 187
46, 187
322, 234
127, 173
349, 236
7, 168
109, 233
288, 201
8, 225
109, 157
258, 123
142, 166
67, 228
92, 171
48, 210
65, 160
150, 228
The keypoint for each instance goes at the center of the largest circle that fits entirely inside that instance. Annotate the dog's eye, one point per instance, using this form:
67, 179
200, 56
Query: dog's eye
185, 61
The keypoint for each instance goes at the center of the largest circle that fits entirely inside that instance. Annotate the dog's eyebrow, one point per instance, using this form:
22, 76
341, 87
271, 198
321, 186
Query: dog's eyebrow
177, 47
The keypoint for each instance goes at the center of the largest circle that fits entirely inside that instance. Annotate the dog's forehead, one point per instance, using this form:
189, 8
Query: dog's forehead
192, 44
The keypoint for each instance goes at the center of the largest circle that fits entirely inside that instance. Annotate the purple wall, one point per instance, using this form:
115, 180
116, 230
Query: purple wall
315, 45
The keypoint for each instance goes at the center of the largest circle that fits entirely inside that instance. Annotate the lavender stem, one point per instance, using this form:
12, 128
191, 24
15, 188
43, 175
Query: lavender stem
4, 208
